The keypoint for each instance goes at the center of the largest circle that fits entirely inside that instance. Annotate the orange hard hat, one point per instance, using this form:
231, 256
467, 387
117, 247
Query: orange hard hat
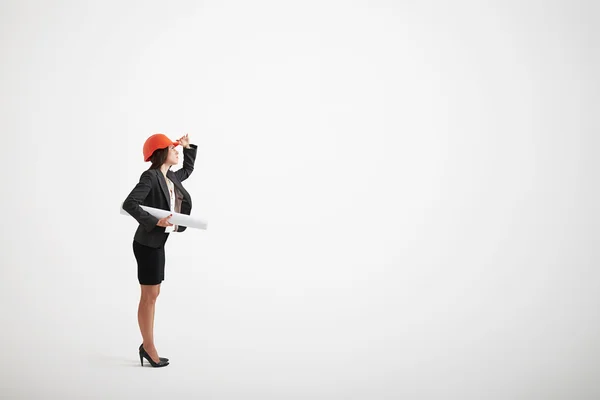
155, 142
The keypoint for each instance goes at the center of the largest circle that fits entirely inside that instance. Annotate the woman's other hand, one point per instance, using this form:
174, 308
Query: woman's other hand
164, 221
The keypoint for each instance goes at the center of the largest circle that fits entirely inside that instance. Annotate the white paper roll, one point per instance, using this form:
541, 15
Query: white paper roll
176, 219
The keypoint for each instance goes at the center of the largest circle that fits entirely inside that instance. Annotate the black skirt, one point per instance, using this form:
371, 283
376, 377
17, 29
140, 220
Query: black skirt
151, 263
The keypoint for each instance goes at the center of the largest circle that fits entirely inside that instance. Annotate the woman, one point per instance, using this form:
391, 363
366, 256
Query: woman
159, 187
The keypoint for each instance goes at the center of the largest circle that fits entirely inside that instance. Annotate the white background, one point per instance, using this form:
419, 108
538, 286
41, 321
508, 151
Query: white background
402, 198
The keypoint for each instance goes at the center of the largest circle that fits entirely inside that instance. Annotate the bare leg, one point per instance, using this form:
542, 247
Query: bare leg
146, 318
154, 309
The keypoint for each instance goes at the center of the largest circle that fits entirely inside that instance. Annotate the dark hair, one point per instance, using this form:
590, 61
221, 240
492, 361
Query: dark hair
158, 158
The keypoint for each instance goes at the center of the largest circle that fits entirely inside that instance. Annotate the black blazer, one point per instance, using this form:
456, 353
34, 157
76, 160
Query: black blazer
152, 191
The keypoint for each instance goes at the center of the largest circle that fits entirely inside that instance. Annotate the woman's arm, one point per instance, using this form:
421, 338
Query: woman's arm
136, 197
189, 157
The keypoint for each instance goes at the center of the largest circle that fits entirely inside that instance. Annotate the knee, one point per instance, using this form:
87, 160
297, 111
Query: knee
147, 301
149, 298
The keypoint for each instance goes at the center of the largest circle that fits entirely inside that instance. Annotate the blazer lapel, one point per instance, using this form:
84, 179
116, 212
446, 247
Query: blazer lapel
178, 185
164, 187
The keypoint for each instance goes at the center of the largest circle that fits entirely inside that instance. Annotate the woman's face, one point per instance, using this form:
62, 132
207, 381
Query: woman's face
173, 156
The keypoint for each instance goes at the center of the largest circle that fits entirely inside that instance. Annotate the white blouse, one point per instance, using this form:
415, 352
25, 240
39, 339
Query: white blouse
173, 228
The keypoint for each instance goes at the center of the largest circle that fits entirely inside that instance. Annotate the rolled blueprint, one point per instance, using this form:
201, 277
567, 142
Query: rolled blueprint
176, 219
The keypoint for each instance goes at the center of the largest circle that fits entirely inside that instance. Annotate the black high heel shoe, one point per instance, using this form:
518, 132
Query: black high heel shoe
144, 354
161, 358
